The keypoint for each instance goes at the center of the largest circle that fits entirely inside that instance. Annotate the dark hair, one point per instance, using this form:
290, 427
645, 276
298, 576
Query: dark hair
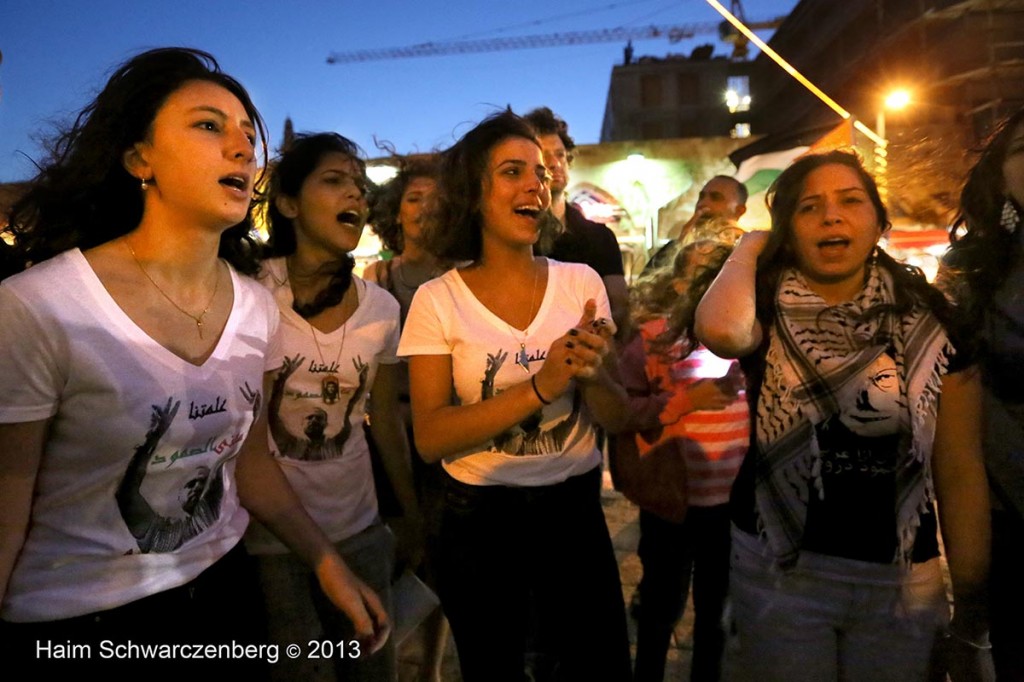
83, 196
741, 189
291, 168
981, 250
654, 294
454, 225
910, 289
386, 200
547, 122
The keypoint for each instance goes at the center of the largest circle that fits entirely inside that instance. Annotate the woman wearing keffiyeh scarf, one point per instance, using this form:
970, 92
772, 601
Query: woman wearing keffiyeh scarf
835, 569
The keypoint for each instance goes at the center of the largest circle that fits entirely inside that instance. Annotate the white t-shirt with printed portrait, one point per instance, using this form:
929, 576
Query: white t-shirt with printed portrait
318, 405
135, 491
557, 441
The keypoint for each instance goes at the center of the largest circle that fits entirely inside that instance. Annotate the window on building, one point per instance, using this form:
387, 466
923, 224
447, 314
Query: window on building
688, 125
740, 130
687, 88
650, 130
737, 93
650, 90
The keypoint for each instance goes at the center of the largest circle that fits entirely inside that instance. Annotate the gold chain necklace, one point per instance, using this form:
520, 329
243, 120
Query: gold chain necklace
330, 385
522, 357
197, 318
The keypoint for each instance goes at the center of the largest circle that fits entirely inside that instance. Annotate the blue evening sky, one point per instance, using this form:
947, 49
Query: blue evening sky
57, 53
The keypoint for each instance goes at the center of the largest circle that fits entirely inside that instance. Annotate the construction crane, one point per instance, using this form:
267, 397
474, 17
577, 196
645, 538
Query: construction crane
674, 34
740, 43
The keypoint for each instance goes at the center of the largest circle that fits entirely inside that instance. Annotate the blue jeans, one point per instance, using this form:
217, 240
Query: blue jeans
670, 554
502, 546
298, 611
830, 618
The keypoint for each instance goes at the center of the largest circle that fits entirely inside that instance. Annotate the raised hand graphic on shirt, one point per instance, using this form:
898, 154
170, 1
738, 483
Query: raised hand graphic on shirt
363, 371
254, 397
285, 441
313, 444
494, 363
527, 437
200, 496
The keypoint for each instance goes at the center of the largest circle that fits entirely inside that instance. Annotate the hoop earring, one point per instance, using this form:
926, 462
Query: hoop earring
1010, 218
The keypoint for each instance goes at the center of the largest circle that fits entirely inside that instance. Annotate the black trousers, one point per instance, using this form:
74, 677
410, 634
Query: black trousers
499, 546
670, 554
221, 607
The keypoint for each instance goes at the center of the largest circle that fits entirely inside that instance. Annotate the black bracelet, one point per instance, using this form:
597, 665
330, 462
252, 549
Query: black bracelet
536, 391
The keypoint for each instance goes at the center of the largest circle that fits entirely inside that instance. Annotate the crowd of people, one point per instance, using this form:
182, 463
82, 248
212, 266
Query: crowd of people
198, 429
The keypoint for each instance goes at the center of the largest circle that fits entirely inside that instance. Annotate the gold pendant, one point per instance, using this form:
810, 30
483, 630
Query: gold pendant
330, 389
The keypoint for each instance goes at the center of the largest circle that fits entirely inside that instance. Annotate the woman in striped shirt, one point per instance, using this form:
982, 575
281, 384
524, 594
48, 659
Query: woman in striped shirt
690, 431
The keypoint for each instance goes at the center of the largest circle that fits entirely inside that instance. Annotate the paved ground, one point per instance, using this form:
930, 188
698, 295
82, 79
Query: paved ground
625, 531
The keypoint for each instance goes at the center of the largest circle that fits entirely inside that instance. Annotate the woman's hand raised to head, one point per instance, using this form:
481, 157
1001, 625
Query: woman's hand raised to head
750, 245
726, 318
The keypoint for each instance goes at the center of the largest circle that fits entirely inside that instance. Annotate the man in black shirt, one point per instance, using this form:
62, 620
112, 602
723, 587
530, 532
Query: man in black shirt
581, 240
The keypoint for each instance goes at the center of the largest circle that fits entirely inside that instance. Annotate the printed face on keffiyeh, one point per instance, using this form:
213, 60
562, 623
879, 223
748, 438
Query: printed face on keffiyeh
870, 406
878, 372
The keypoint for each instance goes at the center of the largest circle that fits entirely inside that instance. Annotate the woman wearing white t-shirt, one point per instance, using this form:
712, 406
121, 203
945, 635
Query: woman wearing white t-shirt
134, 367
339, 336
506, 377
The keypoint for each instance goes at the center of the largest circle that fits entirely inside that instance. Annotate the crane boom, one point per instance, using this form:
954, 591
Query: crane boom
609, 35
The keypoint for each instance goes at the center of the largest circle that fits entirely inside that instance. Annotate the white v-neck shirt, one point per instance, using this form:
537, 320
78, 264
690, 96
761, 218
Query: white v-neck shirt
320, 444
138, 436
555, 443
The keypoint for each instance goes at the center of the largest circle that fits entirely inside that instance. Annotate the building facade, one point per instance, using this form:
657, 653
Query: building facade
676, 97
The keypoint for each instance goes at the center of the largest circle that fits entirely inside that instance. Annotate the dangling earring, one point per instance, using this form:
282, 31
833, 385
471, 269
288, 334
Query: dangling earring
1010, 218
144, 185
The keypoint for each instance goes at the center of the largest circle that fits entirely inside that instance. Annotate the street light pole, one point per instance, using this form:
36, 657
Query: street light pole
882, 157
895, 100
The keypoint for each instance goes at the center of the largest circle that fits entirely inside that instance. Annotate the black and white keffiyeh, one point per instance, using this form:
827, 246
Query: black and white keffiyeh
814, 351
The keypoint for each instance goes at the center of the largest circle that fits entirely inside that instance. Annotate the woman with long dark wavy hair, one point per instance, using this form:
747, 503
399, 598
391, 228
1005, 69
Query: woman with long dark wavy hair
506, 362
985, 268
135, 369
398, 211
337, 348
862, 426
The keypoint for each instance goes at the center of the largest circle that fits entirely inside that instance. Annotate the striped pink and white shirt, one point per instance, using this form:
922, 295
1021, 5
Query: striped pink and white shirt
711, 443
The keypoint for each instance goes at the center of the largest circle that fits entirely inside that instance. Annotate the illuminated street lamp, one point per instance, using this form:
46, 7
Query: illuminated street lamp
896, 100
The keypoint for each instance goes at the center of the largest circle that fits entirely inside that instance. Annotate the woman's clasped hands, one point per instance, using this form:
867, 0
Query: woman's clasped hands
578, 354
